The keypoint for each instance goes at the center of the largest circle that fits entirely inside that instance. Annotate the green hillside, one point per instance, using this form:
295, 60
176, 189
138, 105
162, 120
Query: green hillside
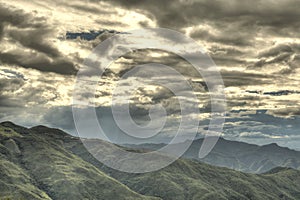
188, 179
43, 169
45, 163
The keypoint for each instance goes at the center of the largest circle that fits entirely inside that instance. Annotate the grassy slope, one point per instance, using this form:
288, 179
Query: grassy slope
57, 172
52, 163
15, 183
186, 179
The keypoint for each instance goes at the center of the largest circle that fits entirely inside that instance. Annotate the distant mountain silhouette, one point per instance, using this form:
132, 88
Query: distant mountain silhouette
240, 156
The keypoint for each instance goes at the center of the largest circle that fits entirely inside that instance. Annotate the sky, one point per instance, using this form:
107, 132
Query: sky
254, 44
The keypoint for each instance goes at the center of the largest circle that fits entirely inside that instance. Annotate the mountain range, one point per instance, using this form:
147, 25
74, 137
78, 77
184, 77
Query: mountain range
47, 163
240, 156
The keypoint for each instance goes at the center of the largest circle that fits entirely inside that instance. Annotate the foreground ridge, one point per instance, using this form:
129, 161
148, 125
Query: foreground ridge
46, 163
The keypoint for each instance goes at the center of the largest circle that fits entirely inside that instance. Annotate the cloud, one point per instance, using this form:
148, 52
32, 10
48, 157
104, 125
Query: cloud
181, 14
286, 112
228, 37
260, 127
255, 44
26, 42
62, 117
59, 116
239, 25
29, 88
238, 78
287, 55
253, 135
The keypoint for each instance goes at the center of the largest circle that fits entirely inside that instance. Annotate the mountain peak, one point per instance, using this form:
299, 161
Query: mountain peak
8, 124
271, 145
11, 125
40, 127
15, 127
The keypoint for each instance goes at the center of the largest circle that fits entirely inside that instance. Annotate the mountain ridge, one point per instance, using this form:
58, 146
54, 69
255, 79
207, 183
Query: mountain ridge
51, 164
238, 155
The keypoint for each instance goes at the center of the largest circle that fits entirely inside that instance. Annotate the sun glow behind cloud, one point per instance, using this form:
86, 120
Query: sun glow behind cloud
256, 50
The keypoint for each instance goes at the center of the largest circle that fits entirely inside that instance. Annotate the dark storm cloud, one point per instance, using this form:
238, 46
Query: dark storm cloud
229, 29
7, 88
273, 51
230, 38
238, 78
234, 25
90, 9
145, 56
35, 39
179, 13
287, 54
32, 34
37, 61
227, 55
16, 18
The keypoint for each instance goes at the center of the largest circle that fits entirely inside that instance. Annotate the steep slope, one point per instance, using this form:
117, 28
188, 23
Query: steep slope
240, 156
45, 163
187, 179
15, 182
40, 160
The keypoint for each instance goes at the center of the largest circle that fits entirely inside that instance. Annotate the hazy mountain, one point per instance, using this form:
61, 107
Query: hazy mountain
45, 163
240, 156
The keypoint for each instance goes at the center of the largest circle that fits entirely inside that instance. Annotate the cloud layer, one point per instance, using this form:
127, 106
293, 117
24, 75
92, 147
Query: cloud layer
256, 46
